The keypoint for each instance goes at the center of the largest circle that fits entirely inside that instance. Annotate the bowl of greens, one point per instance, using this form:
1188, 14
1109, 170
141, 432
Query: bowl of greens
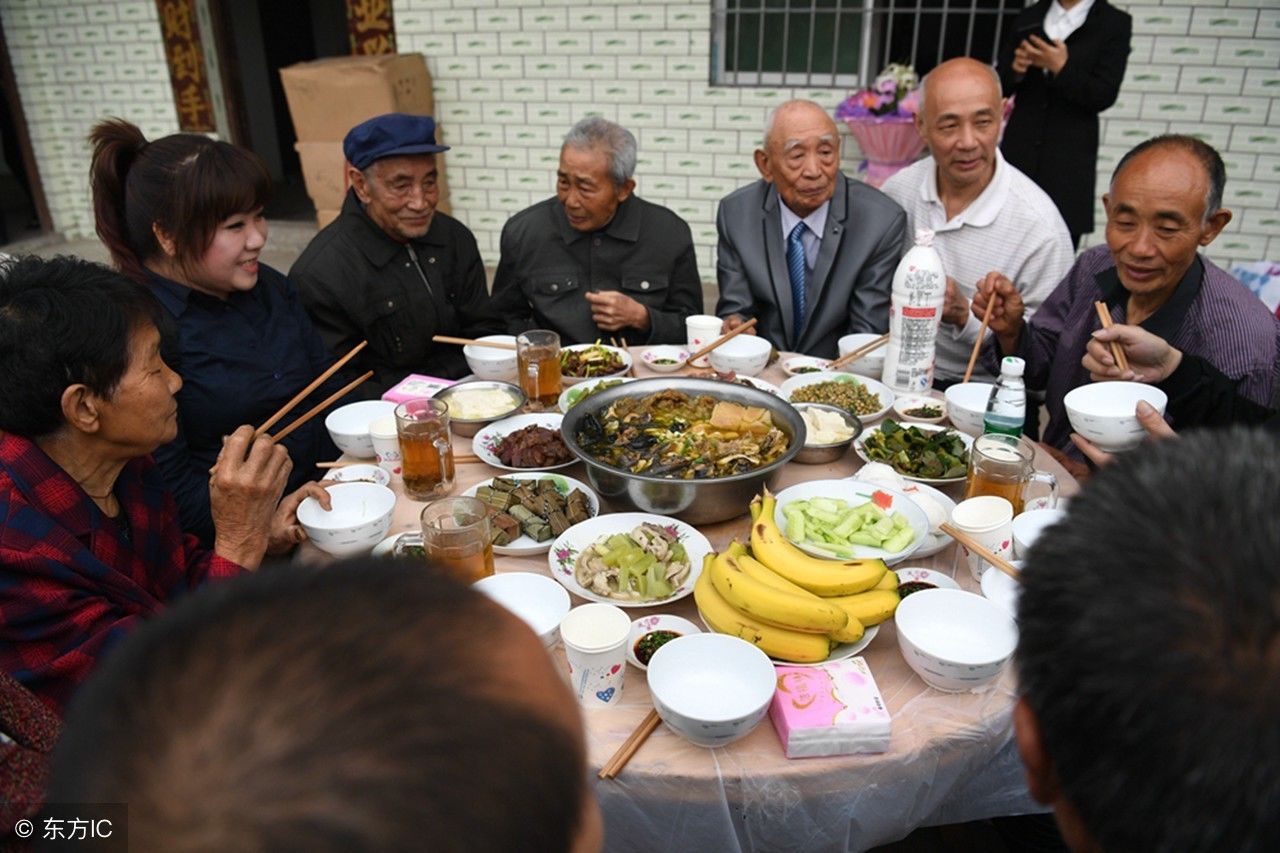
920, 452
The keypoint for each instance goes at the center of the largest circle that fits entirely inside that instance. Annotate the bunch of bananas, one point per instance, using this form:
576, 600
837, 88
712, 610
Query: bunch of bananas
793, 606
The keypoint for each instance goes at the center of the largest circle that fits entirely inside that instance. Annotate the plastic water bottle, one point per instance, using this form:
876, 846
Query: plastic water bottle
1007, 405
919, 288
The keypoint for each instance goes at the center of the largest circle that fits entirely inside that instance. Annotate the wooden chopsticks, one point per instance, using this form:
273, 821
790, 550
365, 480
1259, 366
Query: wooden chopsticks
315, 383
1117, 351
976, 547
982, 333
859, 352
630, 746
322, 405
464, 458
718, 341
445, 339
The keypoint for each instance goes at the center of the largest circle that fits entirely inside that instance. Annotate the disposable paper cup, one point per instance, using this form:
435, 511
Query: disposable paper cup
989, 520
702, 329
595, 642
386, 445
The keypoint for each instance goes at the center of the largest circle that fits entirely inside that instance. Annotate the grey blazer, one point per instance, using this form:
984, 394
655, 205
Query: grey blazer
849, 292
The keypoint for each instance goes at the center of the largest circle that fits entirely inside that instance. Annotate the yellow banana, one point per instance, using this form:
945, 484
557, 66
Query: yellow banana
869, 608
778, 643
852, 631
773, 606
736, 549
822, 577
889, 581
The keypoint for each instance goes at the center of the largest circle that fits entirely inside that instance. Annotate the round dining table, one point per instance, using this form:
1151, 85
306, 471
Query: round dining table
951, 757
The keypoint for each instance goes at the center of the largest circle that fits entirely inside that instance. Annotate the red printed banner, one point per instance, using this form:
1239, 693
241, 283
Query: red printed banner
370, 28
182, 50
917, 313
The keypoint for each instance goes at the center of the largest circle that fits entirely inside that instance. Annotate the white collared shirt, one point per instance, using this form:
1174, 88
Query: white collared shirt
811, 239
1060, 23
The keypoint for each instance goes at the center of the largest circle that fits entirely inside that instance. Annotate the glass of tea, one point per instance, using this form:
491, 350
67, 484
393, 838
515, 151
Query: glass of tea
1001, 466
456, 535
427, 455
538, 364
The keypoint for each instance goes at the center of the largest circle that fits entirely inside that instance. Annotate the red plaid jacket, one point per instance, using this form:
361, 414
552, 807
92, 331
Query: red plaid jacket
71, 585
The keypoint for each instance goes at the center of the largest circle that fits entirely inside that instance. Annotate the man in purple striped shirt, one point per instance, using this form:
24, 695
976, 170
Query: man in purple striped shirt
1164, 203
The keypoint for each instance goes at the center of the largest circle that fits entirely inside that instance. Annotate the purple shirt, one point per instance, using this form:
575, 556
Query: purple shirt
1210, 315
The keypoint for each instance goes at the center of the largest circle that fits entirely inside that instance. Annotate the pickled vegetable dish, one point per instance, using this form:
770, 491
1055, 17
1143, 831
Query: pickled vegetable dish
934, 455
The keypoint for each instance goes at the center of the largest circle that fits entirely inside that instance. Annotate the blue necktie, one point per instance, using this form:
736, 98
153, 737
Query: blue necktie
797, 269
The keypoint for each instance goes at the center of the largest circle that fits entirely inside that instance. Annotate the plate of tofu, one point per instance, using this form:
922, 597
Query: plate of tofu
528, 511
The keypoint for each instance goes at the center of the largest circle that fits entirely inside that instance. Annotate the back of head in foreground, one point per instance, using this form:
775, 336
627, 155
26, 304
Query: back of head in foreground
369, 705
1149, 651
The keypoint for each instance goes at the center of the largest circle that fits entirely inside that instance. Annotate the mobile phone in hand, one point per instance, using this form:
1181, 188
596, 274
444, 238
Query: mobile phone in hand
1032, 29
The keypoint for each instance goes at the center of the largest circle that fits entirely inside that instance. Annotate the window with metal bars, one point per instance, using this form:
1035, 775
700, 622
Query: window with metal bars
843, 43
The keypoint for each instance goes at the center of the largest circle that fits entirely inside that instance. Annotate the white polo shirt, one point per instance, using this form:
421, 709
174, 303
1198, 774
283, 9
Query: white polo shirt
1013, 227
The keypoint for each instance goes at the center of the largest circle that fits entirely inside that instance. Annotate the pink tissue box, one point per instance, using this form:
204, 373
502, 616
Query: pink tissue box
416, 387
831, 709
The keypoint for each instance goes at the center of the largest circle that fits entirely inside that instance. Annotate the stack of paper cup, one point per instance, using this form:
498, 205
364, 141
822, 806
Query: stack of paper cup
989, 520
702, 329
595, 642
386, 445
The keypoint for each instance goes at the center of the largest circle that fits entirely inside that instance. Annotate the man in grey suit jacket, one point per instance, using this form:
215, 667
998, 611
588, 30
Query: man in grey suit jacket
807, 241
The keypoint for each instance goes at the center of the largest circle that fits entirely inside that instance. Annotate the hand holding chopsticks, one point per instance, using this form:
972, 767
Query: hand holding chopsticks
750, 324
976, 547
859, 352
630, 746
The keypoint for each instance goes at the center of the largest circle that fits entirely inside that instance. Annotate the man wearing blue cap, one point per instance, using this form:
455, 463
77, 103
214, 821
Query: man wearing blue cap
392, 269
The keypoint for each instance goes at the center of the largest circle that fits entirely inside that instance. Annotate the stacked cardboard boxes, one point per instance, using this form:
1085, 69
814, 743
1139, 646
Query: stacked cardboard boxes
328, 97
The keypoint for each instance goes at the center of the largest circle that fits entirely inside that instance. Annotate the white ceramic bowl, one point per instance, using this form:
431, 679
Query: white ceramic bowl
903, 405
537, 599
1103, 412
349, 425
1002, 589
711, 689
801, 365
677, 356
660, 622
1028, 525
360, 474
956, 641
746, 355
360, 518
967, 405
871, 364
490, 362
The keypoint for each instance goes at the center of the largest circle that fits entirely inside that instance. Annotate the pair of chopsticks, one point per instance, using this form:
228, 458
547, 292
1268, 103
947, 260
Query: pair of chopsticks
463, 342
620, 343
718, 341
630, 746
982, 333
859, 352
1117, 351
319, 407
976, 547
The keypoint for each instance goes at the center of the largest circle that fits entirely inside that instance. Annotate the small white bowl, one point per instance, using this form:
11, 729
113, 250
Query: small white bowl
802, 365
1103, 412
349, 425
745, 355
674, 356
647, 624
871, 364
360, 474
491, 362
1027, 527
967, 405
1002, 589
903, 405
955, 641
537, 599
360, 518
916, 574
711, 689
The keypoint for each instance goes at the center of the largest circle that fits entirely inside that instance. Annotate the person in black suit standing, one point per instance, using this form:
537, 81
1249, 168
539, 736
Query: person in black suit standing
1064, 60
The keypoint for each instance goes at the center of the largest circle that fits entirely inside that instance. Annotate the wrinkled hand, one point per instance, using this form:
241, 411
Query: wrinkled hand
732, 322
1007, 312
1152, 421
286, 532
1049, 55
612, 310
1077, 469
1151, 358
244, 488
955, 307
1021, 59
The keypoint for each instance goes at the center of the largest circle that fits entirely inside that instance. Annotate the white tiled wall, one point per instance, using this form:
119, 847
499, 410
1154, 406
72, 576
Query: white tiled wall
513, 75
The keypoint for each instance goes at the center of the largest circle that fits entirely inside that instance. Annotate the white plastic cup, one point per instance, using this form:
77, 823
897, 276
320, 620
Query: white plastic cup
989, 520
595, 642
701, 329
386, 445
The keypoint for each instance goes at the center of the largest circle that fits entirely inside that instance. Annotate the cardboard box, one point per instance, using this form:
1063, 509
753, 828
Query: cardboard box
330, 96
324, 171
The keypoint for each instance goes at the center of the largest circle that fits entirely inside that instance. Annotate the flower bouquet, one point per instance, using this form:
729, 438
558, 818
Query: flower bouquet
882, 118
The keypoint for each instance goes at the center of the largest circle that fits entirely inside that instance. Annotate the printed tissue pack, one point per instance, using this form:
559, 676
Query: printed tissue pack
416, 387
831, 709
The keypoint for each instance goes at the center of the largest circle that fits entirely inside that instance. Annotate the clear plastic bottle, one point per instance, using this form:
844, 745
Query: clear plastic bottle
1007, 406
919, 288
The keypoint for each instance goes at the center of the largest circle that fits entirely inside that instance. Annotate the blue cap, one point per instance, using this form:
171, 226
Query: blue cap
390, 135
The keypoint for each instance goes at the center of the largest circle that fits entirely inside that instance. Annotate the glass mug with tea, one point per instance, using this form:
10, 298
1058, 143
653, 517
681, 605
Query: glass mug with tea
538, 365
456, 535
1002, 466
427, 455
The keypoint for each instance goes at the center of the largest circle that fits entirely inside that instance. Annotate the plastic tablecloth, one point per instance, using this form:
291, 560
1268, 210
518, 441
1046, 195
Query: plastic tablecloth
951, 758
